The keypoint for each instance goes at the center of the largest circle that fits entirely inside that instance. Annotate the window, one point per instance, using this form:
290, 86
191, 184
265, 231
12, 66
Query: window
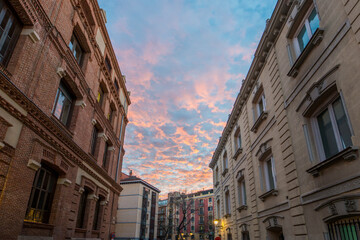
210, 200
218, 213
97, 215
201, 211
192, 210
192, 219
82, 208
260, 105
306, 31
94, 140
268, 168
63, 103
242, 192
116, 85
192, 228
104, 164
201, 220
227, 202
346, 228
237, 139
216, 176
76, 49
100, 96
333, 130
225, 163
41, 197
210, 208
201, 201
108, 64
10, 30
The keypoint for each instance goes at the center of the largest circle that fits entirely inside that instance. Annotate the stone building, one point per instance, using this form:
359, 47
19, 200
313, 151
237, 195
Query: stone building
137, 212
63, 114
287, 164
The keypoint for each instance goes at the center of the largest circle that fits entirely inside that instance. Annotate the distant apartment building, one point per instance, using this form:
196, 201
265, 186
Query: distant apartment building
137, 209
162, 219
189, 216
287, 163
63, 114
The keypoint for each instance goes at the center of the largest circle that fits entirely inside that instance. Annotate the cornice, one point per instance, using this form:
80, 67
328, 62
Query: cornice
269, 37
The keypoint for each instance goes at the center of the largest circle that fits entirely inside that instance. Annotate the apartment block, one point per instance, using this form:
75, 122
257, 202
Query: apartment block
189, 216
137, 212
287, 163
63, 114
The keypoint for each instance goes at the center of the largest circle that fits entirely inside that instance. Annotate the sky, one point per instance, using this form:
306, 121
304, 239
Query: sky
184, 61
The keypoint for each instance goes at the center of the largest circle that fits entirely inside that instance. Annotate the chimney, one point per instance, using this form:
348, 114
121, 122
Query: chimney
130, 173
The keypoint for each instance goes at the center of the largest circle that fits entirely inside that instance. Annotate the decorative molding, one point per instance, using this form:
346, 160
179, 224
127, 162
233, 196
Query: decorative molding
61, 72
93, 121
81, 103
64, 181
33, 164
237, 153
273, 224
348, 154
259, 120
81, 190
272, 192
2, 145
242, 207
33, 35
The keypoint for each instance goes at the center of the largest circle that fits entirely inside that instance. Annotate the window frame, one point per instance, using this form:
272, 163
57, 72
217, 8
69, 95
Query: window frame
73, 46
328, 106
49, 194
304, 23
242, 192
80, 220
265, 174
66, 91
94, 139
227, 202
237, 139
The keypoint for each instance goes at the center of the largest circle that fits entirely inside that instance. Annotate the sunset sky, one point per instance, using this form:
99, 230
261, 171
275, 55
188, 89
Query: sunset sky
184, 62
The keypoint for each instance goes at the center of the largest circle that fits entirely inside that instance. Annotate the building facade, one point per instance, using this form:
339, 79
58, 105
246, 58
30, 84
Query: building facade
189, 216
162, 218
63, 114
287, 163
137, 212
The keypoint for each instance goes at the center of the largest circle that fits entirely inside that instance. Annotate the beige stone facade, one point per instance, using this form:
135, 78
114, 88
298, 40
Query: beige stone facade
137, 211
287, 164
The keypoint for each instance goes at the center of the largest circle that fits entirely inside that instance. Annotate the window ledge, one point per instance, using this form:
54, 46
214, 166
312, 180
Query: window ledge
242, 207
227, 215
237, 153
224, 172
313, 42
258, 122
216, 184
80, 230
38, 225
348, 154
272, 192
62, 126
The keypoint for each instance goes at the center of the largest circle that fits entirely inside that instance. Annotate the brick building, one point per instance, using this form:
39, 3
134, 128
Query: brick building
63, 114
287, 163
189, 215
162, 206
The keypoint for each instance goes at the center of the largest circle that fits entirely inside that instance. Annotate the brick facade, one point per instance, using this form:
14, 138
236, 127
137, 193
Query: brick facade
34, 138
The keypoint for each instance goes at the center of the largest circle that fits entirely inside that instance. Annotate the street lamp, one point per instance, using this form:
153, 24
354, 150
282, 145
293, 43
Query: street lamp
216, 221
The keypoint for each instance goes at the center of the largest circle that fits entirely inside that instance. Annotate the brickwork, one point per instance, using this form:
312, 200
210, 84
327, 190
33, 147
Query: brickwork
33, 137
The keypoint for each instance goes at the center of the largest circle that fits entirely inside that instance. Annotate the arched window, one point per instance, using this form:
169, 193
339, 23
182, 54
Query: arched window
346, 228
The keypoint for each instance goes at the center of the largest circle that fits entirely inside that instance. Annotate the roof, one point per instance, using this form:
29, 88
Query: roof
127, 179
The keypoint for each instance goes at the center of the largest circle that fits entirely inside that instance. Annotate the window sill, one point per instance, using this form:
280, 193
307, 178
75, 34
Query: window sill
242, 207
348, 154
258, 122
314, 41
62, 126
38, 225
224, 172
80, 230
272, 192
237, 153
227, 215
